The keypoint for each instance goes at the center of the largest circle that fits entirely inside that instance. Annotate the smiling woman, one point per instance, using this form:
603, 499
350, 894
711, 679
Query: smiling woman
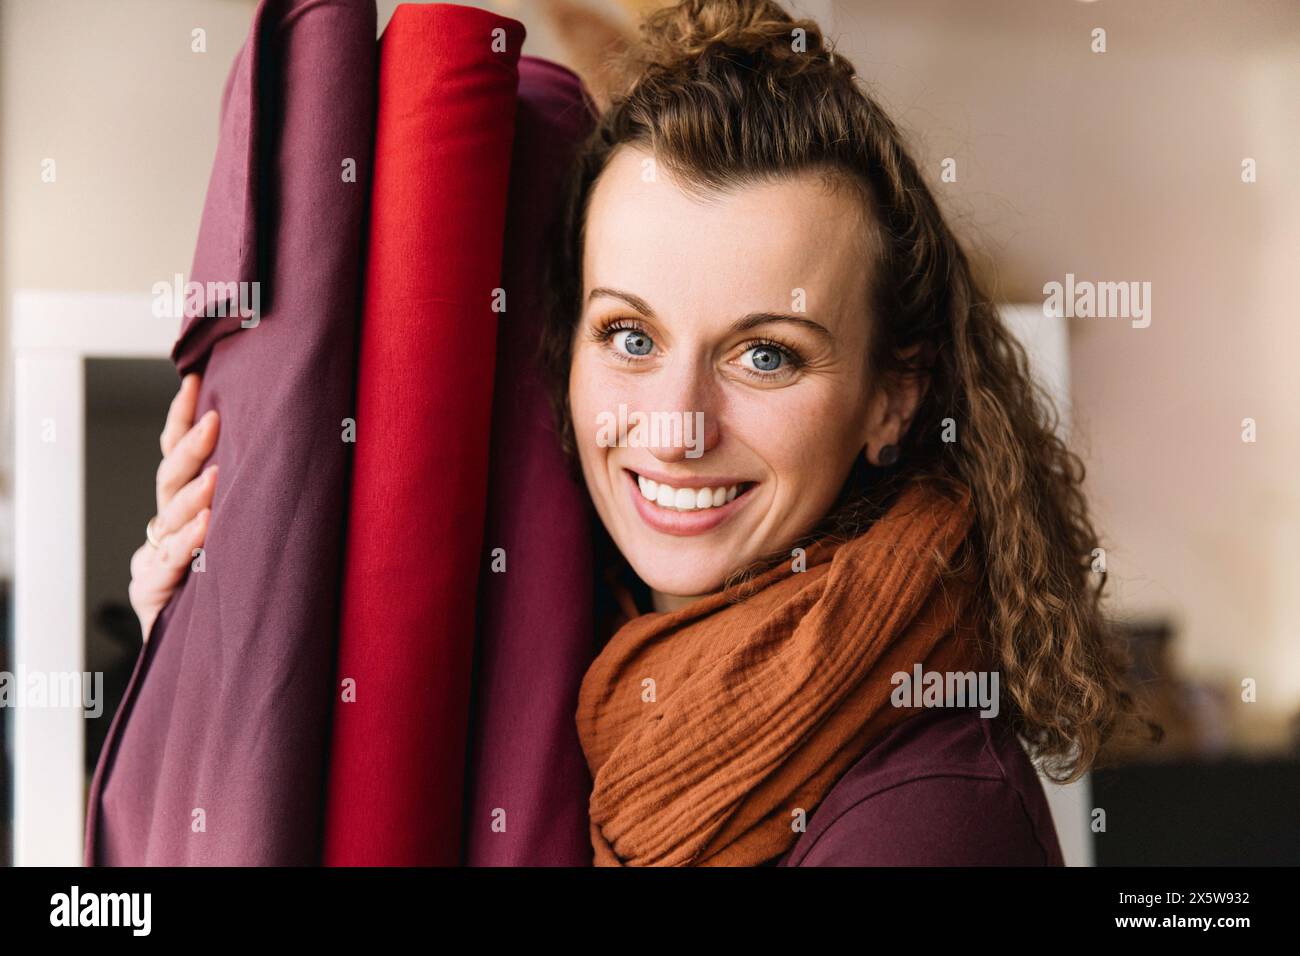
746, 239
821, 470
782, 396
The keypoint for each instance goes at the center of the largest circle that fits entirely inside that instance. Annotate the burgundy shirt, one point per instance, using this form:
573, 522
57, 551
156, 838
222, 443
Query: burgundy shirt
944, 788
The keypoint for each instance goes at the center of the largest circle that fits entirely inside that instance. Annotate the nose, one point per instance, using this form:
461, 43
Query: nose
685, 397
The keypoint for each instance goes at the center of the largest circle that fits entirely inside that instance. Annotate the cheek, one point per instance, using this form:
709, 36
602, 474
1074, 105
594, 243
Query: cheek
587, 397
579, 397
595, 392
596, 389
808, 437
582, 413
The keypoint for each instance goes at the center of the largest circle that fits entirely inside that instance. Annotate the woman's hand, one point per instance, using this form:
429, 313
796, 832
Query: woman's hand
184, 499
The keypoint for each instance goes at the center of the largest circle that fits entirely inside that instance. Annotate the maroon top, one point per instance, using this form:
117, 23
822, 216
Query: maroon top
944, 788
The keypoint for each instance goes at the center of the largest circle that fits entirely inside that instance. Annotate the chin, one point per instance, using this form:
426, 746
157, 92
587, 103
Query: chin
671, 573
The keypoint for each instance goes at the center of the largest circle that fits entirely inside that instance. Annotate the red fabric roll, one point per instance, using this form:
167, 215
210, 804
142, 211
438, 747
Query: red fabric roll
448, 77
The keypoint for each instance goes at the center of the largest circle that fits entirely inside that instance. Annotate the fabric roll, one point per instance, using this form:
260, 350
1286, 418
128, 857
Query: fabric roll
216, 755
448, 78
528, 782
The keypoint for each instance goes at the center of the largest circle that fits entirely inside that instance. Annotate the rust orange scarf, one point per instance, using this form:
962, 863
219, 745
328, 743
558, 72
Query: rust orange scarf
712, 731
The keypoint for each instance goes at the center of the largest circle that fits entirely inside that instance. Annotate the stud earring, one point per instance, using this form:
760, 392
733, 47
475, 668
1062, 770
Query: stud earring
888, 455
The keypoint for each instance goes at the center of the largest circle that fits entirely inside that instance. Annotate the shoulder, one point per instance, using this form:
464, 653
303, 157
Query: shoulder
944, 788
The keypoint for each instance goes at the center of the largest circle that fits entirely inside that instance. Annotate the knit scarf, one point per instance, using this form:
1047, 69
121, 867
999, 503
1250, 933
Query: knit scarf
713, 731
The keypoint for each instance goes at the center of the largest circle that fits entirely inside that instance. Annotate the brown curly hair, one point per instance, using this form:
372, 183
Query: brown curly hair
730, 92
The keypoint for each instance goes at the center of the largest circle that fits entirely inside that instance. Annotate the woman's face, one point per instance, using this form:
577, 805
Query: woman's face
746, 313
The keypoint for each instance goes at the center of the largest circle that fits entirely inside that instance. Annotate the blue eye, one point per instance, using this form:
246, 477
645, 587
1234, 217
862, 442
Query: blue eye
634, 341
764, 358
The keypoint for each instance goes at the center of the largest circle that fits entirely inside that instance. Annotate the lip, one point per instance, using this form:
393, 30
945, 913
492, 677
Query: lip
706, 481
685, 523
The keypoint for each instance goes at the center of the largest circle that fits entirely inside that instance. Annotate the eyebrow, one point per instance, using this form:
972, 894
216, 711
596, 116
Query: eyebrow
742, 324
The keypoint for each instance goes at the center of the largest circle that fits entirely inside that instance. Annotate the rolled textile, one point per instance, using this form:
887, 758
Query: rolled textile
216, 755
448, 77
528, 783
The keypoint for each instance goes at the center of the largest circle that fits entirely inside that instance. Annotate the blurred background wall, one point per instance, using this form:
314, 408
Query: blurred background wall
1126, 165
1123, 165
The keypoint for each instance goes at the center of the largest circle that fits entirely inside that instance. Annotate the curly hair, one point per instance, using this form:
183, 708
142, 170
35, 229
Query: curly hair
730, 92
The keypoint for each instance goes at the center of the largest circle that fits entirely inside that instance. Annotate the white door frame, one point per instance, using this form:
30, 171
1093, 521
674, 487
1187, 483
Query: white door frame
53, 335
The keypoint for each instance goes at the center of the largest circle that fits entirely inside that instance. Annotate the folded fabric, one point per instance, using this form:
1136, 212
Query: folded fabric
528, 783
216, 756
448, 78
759, 705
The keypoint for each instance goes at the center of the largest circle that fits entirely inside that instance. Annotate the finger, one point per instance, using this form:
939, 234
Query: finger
151, 579
177, 549
144, 611
180, 414
142, 563
152, 582
186, 503
186, 458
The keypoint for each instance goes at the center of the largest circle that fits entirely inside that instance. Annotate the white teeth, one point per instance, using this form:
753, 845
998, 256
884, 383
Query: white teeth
685, 499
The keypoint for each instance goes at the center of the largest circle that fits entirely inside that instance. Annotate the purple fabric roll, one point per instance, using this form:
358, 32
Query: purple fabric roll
526, 769
216, 755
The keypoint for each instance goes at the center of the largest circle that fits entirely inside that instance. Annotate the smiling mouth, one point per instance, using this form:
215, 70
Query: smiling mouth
671, 498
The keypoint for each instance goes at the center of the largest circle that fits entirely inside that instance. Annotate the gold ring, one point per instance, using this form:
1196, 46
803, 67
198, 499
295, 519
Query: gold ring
148, 533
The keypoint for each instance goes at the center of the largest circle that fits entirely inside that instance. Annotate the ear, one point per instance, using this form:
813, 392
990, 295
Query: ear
891, 407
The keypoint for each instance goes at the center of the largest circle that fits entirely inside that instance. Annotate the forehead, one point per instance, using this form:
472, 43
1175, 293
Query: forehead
750, 247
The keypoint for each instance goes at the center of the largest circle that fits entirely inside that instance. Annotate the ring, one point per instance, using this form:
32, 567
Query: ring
148, 533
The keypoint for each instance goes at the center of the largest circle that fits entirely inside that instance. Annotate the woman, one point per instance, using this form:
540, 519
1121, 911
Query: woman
849, 559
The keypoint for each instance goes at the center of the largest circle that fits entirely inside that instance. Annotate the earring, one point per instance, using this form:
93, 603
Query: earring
888, 455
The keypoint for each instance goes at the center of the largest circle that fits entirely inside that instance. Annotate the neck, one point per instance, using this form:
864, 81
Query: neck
669, 602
